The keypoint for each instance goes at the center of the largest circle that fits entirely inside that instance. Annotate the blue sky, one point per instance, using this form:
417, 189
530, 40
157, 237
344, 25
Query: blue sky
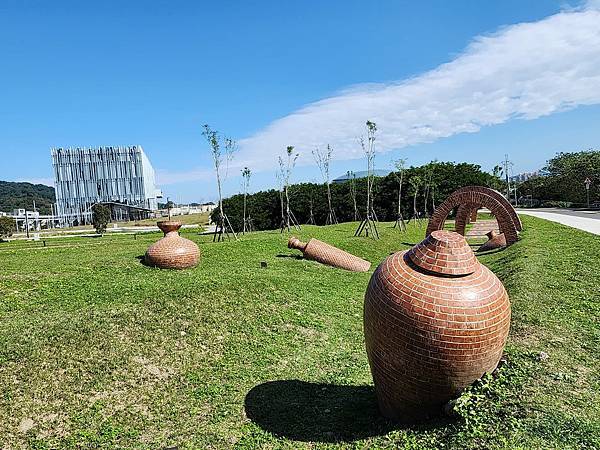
462, 81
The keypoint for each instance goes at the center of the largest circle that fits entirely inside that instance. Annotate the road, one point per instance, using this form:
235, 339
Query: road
584, 220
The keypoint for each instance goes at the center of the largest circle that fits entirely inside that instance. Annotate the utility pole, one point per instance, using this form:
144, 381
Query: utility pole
588, 182
507, 166
36, 219
514, 186
27, 223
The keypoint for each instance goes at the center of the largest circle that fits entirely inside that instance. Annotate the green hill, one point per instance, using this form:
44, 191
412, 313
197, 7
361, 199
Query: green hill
15, 195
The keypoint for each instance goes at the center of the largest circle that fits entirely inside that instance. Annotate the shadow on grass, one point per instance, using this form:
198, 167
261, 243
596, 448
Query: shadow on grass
282, 255
143, 262
304, 411
490, 252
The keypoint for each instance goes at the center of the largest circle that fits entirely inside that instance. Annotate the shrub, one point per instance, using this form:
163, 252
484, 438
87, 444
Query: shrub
7, 227
100, 217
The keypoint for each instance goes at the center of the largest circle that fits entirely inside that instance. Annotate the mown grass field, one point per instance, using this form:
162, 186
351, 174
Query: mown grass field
200, 219
186, 219
100, 351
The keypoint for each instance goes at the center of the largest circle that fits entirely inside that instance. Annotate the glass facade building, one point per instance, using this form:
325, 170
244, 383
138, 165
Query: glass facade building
115, 175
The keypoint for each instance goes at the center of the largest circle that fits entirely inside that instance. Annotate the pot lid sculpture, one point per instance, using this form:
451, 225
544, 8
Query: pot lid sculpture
435, 320
172, 251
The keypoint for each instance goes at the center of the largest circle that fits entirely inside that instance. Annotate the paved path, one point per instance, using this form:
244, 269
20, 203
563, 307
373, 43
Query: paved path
481, 227
584, 220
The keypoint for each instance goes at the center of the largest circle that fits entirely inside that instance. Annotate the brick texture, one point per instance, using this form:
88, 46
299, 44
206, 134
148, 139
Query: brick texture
495, 240
328, 254
464, 215
172, 251
430, 334
471, 198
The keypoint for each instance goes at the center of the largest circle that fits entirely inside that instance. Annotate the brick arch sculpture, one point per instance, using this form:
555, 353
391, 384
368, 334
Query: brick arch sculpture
471, 198
465, 214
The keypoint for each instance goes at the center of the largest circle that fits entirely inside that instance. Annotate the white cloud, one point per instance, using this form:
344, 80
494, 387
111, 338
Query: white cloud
522, 71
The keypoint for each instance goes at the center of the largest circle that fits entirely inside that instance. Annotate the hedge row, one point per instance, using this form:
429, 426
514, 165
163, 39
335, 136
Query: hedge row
264, 207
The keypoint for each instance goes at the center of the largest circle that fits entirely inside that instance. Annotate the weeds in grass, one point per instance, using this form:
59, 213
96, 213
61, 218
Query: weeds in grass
100, 351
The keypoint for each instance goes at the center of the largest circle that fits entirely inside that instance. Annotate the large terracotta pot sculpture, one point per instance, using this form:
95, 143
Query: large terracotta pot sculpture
435, 320
172, 251
328, 254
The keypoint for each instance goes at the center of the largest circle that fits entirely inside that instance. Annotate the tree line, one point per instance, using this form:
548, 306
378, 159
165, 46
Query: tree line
563, 178
423, 188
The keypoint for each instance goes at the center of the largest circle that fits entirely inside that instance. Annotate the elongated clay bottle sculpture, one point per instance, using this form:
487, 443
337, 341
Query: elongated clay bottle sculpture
435, 320
495, 240
172, 251
330, 255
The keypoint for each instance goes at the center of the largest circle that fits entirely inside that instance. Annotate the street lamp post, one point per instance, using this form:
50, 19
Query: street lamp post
588, 182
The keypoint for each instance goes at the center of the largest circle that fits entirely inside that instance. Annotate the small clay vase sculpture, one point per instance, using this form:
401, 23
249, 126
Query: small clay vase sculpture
495, 240
172, 251
435, 320
330, 255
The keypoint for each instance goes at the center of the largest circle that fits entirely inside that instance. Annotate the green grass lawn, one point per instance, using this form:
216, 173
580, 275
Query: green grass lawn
98, 350
200, 219
186, 219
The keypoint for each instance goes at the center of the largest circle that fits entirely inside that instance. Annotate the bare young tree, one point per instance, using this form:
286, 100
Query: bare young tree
311, 217
428, 184
222, 151
352, 180
286, 166
323, 161
415, 184
399, 165
246, 174
279, 176
368, 224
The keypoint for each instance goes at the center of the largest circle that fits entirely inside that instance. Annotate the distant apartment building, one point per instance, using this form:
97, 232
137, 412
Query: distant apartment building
521, 177
119, 177
195, 208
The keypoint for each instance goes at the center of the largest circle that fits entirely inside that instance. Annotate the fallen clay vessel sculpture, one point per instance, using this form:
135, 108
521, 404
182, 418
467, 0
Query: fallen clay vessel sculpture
172, 251
329, 255
495, 240
435, 320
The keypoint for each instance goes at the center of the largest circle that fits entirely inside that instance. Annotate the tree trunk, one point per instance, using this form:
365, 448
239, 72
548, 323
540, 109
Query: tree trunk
332, 217
282, 212
245, 196
221, 214
400, 196
415, 212
287, 208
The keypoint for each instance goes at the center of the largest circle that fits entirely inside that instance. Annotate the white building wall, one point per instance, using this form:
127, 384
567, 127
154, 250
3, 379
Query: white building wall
149, 185
85, 176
